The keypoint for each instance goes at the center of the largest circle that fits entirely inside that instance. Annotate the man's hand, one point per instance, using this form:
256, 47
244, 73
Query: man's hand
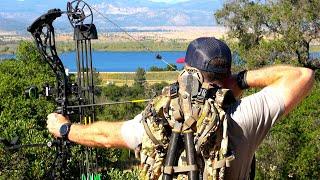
54, 122
231, 83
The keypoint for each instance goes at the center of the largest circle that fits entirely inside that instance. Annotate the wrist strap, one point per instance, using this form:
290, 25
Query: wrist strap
241, 80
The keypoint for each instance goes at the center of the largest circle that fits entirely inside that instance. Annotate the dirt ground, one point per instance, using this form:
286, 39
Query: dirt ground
166, 33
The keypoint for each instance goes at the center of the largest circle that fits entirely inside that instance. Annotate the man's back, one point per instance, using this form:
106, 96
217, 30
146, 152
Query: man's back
252, 118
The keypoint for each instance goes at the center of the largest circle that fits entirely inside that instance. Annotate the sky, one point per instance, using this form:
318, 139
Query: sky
20, 13
170, 1
165, 1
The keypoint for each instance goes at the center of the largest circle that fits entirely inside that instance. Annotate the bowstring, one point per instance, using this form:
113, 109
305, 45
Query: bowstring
158, 56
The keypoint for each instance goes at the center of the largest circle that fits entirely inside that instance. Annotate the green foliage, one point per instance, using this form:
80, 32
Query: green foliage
114, 93
156, 68
292, 149
116, 174
140, 78
156, 89
23, 117
171, 67
271, 32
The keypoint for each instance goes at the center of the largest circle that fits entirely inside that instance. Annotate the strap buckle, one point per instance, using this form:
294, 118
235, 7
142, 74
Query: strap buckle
174, 89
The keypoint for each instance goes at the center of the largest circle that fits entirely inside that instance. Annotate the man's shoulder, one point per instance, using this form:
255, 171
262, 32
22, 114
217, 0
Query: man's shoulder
267, 97
257, 113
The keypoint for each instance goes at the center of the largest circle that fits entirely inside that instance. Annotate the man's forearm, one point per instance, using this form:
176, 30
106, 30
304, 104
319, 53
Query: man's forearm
98, 134
292, 83
267, 76
263, 77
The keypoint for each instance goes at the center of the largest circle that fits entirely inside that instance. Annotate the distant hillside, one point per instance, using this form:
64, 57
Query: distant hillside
17, 15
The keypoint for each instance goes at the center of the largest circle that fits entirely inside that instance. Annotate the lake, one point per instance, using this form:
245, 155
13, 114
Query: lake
127, 61
120, 61
123, 61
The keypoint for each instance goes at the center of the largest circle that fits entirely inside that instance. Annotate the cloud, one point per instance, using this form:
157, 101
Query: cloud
107, 8
180, 20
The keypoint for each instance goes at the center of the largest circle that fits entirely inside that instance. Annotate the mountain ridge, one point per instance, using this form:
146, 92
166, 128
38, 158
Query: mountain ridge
17, 15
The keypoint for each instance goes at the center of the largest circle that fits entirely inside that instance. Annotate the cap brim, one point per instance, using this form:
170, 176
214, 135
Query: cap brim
181, 60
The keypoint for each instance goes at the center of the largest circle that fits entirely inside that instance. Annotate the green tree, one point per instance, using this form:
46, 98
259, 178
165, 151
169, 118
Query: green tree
269, 32
156, 68
140, 78
22, 117
171, 67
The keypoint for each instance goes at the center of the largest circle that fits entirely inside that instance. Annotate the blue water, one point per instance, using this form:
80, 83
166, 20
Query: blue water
126, 61
7, 56
123, 61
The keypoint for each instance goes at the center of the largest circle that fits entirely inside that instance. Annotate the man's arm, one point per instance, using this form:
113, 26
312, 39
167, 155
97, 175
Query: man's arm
291, 83
284, 87
98, 134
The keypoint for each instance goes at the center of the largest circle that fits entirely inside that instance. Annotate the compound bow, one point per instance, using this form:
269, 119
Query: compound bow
66, 94
72, 99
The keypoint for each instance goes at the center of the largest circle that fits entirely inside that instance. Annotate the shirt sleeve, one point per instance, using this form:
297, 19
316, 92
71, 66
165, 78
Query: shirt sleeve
257, 113
132, 132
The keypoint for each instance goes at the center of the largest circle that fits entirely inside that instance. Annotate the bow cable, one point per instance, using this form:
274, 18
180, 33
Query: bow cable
158, 56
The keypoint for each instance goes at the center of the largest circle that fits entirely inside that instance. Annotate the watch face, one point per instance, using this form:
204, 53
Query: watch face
64, 129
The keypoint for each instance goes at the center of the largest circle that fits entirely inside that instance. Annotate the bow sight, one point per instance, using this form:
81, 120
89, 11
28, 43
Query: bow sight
72, 99
47, 91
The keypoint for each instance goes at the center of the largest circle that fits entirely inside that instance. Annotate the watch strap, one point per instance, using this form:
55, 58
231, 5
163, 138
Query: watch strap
241, 80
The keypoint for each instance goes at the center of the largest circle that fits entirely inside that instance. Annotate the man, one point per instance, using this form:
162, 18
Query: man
283, 87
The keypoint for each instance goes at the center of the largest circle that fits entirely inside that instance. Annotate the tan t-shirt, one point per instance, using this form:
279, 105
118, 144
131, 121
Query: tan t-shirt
252, 118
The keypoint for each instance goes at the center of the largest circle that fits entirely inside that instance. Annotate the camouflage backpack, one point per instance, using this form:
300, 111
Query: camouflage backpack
186, 131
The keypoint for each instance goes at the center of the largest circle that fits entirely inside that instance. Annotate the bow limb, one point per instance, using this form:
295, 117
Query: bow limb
42, 31
44, 35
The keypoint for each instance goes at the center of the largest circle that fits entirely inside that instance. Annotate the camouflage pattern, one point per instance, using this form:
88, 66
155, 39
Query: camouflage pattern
154, 151
211, 140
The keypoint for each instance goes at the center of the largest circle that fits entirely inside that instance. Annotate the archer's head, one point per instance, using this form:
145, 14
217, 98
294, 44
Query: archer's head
211, 56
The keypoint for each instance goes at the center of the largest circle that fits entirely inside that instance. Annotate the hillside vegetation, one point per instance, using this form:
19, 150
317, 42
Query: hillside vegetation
290, 151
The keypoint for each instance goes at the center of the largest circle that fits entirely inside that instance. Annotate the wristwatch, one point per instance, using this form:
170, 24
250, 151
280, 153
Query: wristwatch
241, 80
64, 130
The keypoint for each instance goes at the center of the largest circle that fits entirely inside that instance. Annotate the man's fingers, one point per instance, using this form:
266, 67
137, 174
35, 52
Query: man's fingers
52, 116
56, 118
